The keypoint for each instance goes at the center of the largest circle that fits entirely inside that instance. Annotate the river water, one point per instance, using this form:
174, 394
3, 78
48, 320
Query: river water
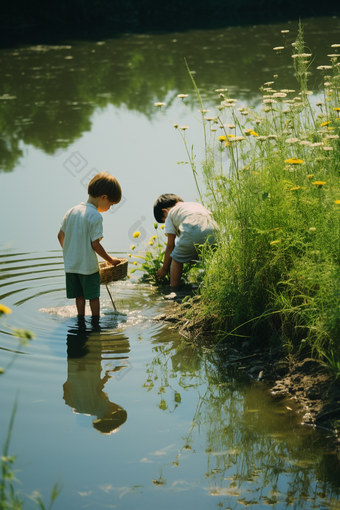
126, 414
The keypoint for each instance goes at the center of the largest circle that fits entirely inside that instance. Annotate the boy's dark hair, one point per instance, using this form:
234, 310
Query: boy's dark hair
105, 184
163, 202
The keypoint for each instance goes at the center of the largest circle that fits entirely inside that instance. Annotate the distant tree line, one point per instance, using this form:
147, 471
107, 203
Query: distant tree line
113, 15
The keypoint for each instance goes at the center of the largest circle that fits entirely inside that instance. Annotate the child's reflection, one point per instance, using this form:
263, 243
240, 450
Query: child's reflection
83, 390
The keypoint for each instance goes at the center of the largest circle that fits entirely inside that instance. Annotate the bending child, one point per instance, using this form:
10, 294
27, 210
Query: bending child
80, 233
191, 223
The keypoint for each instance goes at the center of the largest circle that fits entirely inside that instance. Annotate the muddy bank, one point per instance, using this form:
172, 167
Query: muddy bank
303, 381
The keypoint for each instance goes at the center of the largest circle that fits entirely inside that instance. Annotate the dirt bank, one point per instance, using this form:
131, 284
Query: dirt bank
316, 395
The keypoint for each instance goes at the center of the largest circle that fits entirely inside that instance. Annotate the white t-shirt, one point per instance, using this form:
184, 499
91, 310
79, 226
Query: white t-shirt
81, 225
189, 217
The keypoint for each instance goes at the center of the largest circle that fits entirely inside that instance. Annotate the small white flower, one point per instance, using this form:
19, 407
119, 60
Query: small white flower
323, 68
159, 104
269, 83
183, 128
335, 46
292, 140
302, 55
284, 31
182, 96
278, 48
280, 94
327, 148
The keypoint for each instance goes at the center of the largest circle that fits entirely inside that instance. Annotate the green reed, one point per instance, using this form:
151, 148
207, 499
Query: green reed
273, 186
10, 497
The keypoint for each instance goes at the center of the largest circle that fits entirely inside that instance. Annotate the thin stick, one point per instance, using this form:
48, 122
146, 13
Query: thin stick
114, 306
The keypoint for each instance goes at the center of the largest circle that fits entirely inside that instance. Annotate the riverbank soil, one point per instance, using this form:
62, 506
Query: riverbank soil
314, 393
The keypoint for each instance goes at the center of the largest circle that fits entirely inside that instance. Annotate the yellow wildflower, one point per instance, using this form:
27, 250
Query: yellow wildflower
226, 144
294, 161
162, 226
151, 243
4, 309
222, 138
319, 183
153, 237
231, 136
337, 109
325, 123
136, 234
310, 176
337, 202
135, 263
293, 189
249, 132
129, 254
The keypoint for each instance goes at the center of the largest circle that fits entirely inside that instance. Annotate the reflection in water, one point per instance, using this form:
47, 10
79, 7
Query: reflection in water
48, 94
256, 451
84, 388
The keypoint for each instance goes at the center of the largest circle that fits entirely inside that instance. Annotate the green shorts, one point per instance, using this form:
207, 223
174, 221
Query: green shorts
87, 285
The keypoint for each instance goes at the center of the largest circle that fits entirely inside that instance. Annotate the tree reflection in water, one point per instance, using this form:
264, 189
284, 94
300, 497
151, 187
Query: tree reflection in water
256, 450
48, 93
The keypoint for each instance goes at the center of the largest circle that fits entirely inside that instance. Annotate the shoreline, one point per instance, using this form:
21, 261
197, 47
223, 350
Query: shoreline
314, 393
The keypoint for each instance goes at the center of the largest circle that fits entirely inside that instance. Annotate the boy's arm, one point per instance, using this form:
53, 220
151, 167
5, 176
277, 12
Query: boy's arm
102, 253
61, 237
167, 257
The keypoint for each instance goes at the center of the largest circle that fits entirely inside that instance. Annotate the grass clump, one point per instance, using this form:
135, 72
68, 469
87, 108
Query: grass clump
272, 182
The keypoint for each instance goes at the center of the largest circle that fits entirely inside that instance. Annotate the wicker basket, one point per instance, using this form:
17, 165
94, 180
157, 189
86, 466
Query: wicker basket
109, 273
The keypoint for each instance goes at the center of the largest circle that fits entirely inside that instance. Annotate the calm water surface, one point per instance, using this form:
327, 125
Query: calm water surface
127, 415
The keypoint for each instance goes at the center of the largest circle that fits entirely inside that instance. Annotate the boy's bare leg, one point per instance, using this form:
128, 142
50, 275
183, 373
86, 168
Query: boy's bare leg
80, 304
95, 307
176, 270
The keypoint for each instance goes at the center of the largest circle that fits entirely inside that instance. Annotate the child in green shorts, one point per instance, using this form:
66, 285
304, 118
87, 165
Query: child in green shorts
80, 233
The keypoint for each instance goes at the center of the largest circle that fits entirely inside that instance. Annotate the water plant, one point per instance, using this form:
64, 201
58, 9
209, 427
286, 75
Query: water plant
272, 182
10, 498
150, 260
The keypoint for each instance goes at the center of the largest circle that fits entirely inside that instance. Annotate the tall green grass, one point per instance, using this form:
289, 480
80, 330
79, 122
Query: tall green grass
273, 185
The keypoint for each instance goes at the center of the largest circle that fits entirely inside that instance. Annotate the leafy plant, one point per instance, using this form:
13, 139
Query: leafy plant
150, 261
272, 183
